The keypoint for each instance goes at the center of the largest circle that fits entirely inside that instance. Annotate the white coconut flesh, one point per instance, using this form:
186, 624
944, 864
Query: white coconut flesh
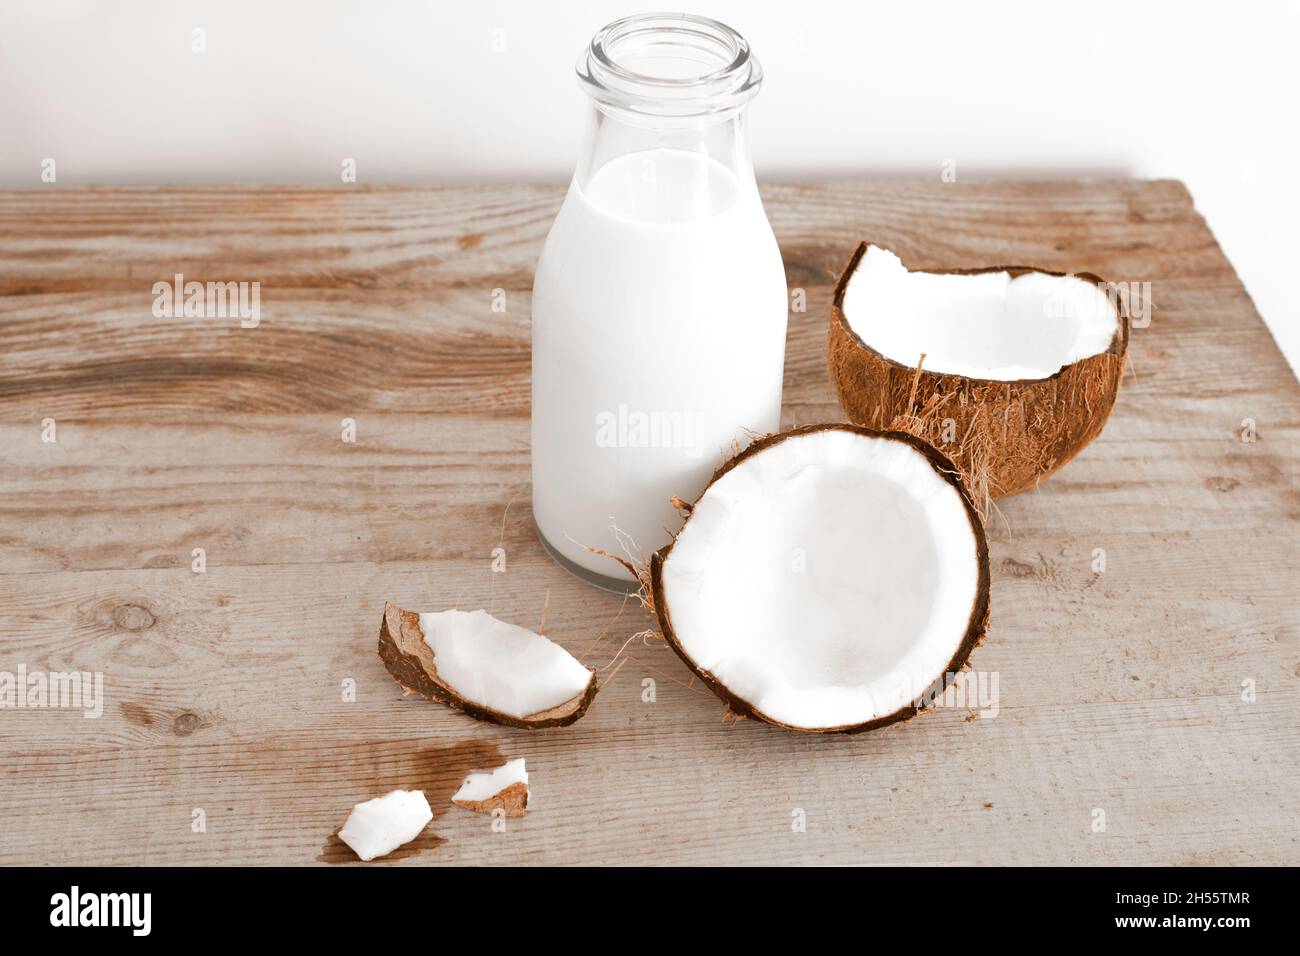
987, 326
499, 665
827, 580
481, 785
378, 827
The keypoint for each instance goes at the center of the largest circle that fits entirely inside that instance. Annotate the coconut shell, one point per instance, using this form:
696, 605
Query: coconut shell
975, 629
1005, 437
410, 662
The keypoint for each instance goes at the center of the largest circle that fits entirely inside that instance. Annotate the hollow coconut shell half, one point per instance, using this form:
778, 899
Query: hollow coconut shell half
1008, 428
829, 579
412, 663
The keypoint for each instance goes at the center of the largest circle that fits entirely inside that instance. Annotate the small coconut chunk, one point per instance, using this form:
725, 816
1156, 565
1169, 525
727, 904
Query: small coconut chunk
504, 788
984, 325
378, 827
490, 669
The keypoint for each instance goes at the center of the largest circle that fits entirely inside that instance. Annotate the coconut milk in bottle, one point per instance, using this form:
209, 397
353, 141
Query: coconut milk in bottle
659, 301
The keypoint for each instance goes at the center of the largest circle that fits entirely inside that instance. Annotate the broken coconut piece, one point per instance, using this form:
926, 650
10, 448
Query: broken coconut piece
505, 788
378, 827
487, 668
1020, 368
829, 578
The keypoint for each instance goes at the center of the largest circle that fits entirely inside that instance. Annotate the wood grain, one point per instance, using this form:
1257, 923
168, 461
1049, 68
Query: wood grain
1162, 691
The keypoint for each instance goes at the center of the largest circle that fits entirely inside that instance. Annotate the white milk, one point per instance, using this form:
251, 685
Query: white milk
659, 317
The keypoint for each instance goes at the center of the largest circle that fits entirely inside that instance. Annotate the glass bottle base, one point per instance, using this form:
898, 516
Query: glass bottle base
602, 581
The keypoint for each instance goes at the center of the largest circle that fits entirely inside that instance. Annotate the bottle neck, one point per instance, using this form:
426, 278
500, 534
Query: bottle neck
666, 137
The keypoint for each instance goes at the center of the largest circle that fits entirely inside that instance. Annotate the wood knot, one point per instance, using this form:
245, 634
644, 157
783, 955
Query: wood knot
133, 617
1219, 483
1017, 569
186, 724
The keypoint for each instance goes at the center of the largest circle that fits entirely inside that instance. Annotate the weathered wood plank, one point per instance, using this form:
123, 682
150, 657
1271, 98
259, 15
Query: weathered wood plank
273, 489
382, 299
151, 633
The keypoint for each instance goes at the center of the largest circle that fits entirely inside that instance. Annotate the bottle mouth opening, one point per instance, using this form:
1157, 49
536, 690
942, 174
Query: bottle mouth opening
669, 64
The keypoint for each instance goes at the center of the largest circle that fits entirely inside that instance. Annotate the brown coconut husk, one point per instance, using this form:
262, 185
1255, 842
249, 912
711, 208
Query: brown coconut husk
410, 662
976, 628
1006, 437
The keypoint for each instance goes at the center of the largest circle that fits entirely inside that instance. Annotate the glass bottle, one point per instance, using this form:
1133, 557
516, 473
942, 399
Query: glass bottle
659, 300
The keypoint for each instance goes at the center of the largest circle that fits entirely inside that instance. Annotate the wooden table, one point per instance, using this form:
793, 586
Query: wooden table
1147, 713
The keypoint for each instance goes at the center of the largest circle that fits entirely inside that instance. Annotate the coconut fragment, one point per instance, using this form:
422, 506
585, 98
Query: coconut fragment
829, 578
505, 788
1009, 371
378, 827
485, 667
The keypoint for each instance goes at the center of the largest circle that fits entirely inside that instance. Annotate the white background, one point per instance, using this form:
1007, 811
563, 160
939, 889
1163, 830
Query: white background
450, 92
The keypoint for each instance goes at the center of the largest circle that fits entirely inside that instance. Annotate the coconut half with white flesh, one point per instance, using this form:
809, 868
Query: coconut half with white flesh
1018, 367
831, 578
505, 789
487, 668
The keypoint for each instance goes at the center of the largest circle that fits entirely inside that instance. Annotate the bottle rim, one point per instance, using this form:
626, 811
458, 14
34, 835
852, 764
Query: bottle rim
670, 65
